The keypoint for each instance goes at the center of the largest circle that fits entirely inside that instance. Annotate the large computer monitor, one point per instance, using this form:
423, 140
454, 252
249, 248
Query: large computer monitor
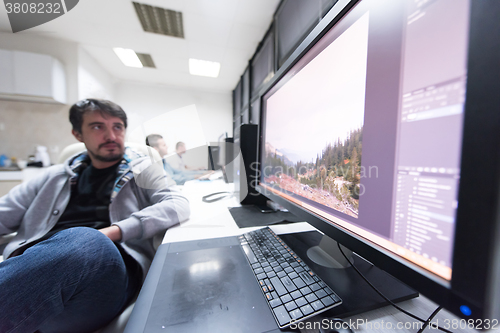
382, 130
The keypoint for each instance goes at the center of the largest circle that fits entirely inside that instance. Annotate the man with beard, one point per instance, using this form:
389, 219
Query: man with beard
84, 230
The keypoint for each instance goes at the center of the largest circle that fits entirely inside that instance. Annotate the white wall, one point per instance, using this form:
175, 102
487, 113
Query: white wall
193, 117
93, 80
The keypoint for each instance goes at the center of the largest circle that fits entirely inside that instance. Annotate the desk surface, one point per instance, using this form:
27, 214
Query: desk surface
212, 220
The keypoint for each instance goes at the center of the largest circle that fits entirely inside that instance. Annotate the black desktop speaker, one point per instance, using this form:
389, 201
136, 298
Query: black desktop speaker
245, 168
229, 157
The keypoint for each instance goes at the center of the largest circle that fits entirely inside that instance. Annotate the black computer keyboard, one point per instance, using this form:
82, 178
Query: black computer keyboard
291, 289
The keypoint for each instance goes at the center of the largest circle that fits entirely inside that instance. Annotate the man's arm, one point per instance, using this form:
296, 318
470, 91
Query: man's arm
14, 204
166, 207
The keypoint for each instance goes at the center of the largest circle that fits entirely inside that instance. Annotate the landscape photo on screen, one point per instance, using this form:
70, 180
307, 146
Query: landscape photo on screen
314, 126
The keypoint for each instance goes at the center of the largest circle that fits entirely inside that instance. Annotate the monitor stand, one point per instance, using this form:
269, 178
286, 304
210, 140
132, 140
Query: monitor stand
357, 296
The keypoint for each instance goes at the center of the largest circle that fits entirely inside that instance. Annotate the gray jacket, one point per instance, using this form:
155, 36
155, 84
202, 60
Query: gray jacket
142, 205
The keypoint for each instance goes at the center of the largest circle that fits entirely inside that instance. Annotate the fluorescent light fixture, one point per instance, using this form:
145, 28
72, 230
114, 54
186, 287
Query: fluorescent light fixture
204, 68
128, 57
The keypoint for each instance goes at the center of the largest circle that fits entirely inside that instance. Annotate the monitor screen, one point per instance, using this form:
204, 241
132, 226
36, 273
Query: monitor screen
237, 100
245, 88
364, 131
263, 64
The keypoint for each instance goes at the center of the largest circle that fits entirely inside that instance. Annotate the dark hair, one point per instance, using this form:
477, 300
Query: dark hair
152, 140
180, 143
105, 107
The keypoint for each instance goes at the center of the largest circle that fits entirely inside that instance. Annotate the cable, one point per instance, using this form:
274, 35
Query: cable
383, 296
428, 321
208, 198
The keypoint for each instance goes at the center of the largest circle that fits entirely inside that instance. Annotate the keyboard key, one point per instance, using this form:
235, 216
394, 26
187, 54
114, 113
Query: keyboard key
269, 297
271, 274
301, 301
293, 275
335, 297
314, 287
327, 301
266, 269
299, 283
299, 269
290, 306
305, 290
307, 278
256, 265
288, 284
281, 274
328, 291
275, 302
296, 294
288, 269
306, 309
320, 293
311, 298
286, 298
278, 286
282, 315
258, 271
317, 305
261, 276
294, 264
296, 314
248, 252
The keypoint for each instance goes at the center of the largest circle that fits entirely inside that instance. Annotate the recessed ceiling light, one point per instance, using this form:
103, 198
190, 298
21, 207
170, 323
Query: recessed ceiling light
128, 57
204, 68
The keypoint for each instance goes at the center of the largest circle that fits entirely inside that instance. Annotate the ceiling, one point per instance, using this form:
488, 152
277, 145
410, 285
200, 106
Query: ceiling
225, 31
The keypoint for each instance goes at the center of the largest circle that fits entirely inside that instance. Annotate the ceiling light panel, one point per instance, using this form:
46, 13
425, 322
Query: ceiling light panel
128, 57
160, 20
204, 68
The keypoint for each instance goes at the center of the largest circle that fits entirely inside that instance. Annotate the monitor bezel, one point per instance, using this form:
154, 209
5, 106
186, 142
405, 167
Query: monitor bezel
471, 282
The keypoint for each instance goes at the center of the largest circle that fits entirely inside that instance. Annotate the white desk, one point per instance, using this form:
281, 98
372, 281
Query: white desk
212, 220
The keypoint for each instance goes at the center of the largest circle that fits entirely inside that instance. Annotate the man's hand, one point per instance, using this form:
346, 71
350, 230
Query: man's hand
114, 233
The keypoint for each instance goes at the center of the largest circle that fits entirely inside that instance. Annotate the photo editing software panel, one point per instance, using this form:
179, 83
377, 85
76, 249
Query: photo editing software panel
365, 130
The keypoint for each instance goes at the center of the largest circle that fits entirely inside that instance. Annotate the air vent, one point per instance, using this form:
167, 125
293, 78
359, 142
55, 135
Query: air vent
146, 60
159, 20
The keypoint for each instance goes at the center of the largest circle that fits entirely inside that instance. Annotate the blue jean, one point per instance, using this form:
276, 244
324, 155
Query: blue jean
75, 281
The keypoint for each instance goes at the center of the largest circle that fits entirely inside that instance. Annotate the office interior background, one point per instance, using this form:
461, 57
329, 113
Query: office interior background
250, 39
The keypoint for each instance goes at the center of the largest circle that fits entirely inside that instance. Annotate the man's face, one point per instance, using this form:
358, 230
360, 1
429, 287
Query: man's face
181, 150
104, 137
162, 147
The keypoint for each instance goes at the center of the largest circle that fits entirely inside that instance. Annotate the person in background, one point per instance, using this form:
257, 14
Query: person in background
177, 160
180, 176
85, 230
